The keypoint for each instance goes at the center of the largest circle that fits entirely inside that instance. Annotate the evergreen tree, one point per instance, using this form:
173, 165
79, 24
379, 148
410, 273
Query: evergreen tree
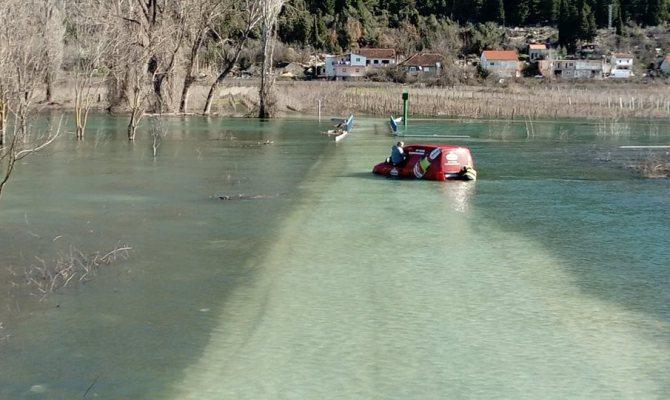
494, 11
516, 12
567, 26
653, 12
586, 24
535, 12
619, 23
550, 10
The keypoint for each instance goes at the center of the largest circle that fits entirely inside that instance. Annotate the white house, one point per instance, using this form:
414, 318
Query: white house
540, 51
501, 63
350, 65
665, 65
621, 65
377, 58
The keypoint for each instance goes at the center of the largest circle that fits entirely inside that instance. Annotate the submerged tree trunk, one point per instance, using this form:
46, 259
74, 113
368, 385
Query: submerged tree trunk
3, 122
267, 98
136, 109
49, 88
189, 78
81, 119
133, 124
183, 102
219, 79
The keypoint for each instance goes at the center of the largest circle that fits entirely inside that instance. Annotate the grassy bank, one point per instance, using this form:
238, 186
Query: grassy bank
538, 100
481, 101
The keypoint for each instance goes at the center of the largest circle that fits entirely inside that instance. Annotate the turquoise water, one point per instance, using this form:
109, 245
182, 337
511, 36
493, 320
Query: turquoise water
547, 278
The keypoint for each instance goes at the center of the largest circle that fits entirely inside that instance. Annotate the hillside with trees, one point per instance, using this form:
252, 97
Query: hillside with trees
335, 25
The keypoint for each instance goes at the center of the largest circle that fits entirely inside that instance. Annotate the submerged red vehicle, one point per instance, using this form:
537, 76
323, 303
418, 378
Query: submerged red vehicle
432, 162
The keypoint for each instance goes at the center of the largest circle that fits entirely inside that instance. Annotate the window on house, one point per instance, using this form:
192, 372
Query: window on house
358, 59
367, 62
427, 69
492, 64
376, 62
385, 61
357, 70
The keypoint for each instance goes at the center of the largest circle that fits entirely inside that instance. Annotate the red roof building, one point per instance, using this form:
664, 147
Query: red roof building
501, 63
501, 55
378, 57
423, 63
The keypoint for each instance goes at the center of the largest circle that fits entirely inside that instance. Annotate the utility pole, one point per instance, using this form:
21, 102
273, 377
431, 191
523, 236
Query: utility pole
405, 108
610, 10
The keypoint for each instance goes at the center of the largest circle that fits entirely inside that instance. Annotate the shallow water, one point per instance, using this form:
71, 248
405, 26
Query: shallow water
547, 278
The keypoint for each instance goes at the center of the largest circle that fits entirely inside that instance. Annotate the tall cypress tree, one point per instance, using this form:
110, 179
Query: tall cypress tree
567, 25
653, 12
550, 10
494, 11
619, 22
586, 24
516, 12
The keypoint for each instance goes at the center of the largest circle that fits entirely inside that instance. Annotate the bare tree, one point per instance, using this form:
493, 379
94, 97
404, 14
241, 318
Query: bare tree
270, 13
22, 62
199, 24
52, 33
230, 49
158, 132
92, 40
150, 33
4, 84
20, 147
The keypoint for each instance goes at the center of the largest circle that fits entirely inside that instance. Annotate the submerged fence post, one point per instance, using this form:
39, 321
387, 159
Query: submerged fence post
405, 107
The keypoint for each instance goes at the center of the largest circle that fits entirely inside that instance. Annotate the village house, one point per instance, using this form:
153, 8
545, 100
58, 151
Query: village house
665, 65
348, 66
377, 58
501, 63
621, 65
423, 64
540, 51
573, 69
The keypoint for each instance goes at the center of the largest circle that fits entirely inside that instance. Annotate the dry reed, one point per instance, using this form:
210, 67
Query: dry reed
653, 166
73, 267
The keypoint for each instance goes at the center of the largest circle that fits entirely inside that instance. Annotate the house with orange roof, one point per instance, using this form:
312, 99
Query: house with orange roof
501, 63
665, 65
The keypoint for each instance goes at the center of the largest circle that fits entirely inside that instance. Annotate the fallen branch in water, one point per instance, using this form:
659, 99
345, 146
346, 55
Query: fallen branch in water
90, 387
73, 267
653, 166
248, 196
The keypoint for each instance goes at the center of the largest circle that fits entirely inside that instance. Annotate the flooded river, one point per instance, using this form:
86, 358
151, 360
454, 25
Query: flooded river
549, 277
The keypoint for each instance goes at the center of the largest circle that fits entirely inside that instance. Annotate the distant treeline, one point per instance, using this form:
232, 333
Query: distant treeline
334, 25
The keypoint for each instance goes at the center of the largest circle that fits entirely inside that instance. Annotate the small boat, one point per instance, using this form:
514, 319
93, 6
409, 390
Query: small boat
431, 162
342, 128
395, 124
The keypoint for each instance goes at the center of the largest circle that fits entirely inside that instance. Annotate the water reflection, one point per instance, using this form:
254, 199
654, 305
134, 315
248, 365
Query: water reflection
458, 194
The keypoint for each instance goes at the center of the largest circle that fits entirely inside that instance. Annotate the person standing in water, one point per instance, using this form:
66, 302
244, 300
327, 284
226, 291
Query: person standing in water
397, 154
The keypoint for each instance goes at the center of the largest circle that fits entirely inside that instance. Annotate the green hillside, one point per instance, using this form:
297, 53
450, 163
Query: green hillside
334, 25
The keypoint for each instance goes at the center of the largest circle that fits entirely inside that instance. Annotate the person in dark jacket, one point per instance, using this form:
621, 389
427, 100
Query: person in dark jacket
398, 155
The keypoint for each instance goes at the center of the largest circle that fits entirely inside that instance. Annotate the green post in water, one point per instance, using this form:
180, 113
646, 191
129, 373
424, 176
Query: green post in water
405, 108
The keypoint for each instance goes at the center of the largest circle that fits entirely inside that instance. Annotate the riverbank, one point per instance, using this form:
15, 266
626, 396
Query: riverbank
599, 100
